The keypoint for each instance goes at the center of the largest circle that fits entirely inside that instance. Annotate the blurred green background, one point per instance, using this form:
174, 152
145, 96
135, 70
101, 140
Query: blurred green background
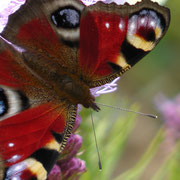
123, 137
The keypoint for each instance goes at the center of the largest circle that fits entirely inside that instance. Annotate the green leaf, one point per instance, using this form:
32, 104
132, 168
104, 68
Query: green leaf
138, 169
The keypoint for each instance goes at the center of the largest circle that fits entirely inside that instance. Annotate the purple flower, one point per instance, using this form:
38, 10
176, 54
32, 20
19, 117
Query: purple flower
55, 173
68, 166
77, 122
73, 145
8, 7
170, 110
107, 88
89, 2
73, 168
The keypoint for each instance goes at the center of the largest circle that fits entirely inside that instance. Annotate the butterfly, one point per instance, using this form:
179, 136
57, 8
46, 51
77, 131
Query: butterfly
52, 52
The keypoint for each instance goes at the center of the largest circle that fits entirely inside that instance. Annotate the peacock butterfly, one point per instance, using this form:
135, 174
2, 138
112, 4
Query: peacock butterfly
51, 53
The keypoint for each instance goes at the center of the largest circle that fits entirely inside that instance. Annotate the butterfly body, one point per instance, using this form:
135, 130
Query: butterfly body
52, 52
65, 85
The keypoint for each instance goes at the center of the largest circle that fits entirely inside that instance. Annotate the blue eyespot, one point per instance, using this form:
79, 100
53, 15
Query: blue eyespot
3, 103
67, 18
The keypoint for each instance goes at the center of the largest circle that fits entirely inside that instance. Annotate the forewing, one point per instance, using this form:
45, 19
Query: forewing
38, 26
12, 68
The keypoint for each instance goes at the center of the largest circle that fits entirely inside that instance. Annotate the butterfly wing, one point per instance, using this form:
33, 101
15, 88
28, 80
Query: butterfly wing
33, 142
114, 38
33, 129
34, 27
98, 43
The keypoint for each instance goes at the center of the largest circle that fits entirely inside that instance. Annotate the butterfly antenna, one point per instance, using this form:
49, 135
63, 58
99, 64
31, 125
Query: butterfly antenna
129, 110
95, 138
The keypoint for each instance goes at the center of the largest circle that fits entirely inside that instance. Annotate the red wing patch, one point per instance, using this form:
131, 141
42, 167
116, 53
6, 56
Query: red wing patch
6, 70
100, 41
113, 38
12, 71
29, 130
39, 34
